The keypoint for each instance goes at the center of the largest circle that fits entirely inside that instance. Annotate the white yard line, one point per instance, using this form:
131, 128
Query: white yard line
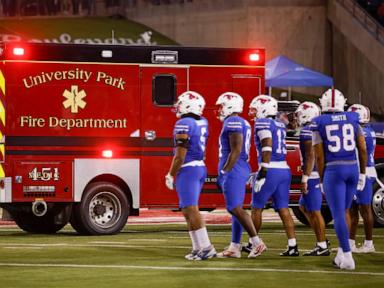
73, 245
173, 268
111, 245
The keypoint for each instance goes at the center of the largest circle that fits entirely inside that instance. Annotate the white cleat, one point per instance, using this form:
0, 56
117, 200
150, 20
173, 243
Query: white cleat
354, 249
206, 253
339, 258
347, 264
229, 253
257, 250
191, 256
365, 249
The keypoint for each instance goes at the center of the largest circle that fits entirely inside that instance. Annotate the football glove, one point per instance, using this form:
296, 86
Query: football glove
169, 181
260, 179
361, 183
304, 184
251, 179
321, 188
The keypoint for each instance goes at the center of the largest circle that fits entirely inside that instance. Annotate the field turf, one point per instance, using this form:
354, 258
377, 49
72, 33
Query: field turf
153, 256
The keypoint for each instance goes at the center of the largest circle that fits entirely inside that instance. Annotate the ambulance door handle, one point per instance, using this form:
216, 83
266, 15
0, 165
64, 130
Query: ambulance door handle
150, 135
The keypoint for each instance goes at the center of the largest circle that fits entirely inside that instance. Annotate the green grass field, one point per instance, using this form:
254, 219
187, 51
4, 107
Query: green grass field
153, 256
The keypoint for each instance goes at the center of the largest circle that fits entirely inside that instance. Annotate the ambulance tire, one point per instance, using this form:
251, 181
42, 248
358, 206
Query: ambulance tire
103, 210
40, 225
378, 203
301, 217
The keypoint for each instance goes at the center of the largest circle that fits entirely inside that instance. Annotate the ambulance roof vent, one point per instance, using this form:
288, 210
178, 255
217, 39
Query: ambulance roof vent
164, 57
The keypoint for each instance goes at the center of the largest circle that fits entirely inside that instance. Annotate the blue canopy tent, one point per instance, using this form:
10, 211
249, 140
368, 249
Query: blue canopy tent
283, 72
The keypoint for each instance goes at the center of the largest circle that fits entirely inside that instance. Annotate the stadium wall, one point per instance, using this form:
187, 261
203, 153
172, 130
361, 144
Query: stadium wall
294, 28
319, 34
358, 60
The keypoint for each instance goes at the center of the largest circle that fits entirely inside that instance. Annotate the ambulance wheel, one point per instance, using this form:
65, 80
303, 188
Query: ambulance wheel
31, 223
378, 204
103, 210
300, 216
327, 215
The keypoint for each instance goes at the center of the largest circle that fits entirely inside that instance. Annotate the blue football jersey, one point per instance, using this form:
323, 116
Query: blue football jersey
305, 135
277, 131
338, 132
234, 124
197, 131
370, 141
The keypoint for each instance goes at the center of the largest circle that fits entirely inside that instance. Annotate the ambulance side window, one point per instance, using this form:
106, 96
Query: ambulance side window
164, 89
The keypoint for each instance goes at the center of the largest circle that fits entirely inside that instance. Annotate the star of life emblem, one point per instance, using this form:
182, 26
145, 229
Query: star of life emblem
74, 99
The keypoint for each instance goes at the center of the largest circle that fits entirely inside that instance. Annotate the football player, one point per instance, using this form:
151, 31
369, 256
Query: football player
274, 176
336, 135
364, 197
311, 197
190, 136
234, 170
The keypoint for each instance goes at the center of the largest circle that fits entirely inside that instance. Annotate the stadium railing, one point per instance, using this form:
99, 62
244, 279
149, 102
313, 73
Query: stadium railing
363, 17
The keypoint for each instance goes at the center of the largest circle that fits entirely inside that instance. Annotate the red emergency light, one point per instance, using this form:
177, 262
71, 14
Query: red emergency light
18, 51
254, 57
107, 153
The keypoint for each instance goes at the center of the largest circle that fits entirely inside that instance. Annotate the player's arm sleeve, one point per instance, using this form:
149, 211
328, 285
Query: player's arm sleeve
263, 129
316, 137
181, 131
182, 127
234, 125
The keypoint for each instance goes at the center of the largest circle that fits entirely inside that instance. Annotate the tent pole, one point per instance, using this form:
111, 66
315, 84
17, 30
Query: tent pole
289, 93
270, 90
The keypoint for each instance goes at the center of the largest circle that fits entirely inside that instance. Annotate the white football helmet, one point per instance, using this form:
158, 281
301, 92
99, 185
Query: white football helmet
332, 100
263, 106
363, 111
189, 102
229, 102
306, 112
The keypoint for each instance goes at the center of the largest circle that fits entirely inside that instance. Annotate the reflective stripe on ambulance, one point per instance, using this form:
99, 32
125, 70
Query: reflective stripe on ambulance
2, 124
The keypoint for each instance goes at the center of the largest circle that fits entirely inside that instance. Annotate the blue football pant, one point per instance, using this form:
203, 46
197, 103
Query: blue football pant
277, 183
189, 181
313, 199
234, 189
340, 183
364, 197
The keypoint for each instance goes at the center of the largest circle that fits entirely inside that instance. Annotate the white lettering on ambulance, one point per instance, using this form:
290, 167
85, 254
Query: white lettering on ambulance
109, 80
44, 77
